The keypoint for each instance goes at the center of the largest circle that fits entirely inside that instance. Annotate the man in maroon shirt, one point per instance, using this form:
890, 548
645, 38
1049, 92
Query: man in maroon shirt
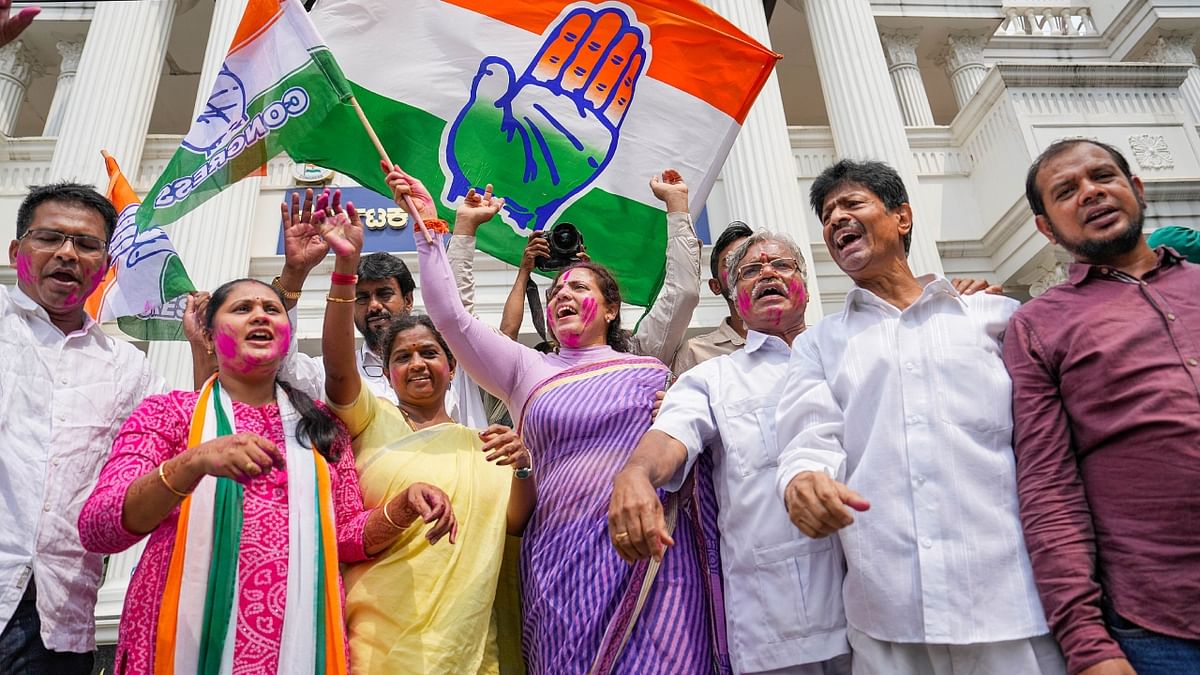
1106, 405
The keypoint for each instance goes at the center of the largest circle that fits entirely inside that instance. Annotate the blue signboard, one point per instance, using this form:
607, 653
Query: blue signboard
387, 226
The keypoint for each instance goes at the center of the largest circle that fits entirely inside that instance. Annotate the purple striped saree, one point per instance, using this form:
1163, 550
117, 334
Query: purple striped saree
578, 595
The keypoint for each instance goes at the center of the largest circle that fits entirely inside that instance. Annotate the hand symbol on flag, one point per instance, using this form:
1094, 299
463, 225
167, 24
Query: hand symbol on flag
542, 138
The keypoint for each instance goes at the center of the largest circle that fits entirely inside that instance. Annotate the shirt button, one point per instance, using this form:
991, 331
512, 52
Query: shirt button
1192, 362
1105, 270
1170, 316
46, 508
919, 479
926, 542
909, 367
62, 418
914, 419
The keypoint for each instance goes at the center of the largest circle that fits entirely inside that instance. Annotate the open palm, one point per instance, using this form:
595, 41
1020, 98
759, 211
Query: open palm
546, 135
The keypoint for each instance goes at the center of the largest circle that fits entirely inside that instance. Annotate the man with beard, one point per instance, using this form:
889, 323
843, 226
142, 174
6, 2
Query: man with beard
902, 399
1106, 399
783, 605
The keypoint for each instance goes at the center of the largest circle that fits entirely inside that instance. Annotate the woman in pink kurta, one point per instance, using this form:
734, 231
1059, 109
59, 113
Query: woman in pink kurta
151, 469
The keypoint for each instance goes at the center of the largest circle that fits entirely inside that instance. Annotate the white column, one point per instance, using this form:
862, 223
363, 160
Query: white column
1181, 48
761, 185
865, 125
900, 48
214, 240
113, 93
16, 69
963, 61
69, 51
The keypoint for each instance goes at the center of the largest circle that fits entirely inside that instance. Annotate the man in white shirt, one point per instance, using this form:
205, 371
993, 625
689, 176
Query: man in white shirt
783, 605
65, 389
899, 407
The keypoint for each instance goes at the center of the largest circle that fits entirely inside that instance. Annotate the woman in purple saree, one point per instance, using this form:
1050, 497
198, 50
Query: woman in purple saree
582, 411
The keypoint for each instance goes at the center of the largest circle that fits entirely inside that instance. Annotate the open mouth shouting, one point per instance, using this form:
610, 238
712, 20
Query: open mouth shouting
848, 236
64, 279
1100, 217
565, 310
769, 288
261, 337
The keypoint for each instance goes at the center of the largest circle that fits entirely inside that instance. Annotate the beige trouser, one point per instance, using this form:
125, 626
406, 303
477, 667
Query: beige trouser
1032, 656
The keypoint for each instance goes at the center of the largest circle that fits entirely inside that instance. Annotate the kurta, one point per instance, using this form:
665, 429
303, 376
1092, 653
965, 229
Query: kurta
157, 431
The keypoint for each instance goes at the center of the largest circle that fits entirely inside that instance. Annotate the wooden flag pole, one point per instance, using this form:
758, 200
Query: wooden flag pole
408, 202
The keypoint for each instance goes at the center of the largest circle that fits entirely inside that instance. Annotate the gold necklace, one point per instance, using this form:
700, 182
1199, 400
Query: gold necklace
413, 425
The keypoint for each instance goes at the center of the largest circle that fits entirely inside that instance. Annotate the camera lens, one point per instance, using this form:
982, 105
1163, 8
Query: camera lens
565, 238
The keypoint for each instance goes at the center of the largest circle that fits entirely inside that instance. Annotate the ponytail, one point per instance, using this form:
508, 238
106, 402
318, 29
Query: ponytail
316, 426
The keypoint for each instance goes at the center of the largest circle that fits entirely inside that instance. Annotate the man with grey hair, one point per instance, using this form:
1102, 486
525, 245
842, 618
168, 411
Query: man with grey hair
783, 605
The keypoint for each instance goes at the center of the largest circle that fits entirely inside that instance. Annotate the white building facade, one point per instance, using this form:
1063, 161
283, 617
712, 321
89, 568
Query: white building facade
958, 95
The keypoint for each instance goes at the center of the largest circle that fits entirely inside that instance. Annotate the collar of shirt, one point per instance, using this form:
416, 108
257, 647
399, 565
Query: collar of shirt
1080, 272
367, 357
756, 341
27, 305
722, 334
933, 285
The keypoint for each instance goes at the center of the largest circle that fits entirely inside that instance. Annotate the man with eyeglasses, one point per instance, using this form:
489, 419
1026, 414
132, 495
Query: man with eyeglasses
65, 388
783, 606
898, 408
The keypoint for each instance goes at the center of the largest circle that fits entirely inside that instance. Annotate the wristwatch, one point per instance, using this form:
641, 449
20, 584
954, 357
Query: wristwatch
288, 295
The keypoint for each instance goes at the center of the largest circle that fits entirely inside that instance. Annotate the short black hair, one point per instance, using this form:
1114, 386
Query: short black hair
734, 231
875, 176
380, 266
406, 322
76, 194
1034, 196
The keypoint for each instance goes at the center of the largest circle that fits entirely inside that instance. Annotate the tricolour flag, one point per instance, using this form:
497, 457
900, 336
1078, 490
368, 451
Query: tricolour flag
146, 286
278, 84
568, 108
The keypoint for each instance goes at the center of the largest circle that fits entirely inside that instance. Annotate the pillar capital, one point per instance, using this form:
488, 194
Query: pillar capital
17, 62
962, 50
69, 51
900, 46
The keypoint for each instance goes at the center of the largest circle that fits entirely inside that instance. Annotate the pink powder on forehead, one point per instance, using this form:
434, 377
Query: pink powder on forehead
25, 269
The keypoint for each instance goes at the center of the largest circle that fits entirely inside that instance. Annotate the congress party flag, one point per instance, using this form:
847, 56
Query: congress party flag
146, 286
278, 83
568, 108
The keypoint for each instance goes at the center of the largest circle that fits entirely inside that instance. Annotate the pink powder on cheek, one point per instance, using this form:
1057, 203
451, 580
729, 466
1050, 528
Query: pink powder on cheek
283, 338
776, 315
226, 345
25, 269
796, 290
743, 303
550, 317
589, 310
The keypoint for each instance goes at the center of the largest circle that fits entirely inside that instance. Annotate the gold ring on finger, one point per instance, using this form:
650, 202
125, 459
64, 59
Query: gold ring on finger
621, 536
250, 467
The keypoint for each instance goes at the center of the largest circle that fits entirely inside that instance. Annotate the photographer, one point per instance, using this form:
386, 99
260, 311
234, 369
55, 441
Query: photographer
662, 329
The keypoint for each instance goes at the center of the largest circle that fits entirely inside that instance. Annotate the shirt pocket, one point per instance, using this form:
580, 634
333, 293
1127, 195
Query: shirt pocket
799, 586
751, 440
974, 390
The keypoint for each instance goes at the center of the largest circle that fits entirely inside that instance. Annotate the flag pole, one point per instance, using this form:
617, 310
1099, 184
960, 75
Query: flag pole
408, 202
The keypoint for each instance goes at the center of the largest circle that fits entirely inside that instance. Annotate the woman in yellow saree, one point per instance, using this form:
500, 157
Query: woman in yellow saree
419, 608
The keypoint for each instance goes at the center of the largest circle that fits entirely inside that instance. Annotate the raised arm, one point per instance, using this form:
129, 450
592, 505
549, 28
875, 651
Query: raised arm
461, 251
493, 360
662, 331
344, 233
514, 306
1054, 508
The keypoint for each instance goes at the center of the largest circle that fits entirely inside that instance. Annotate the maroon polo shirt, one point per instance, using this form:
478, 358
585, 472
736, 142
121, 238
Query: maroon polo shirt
1106, 408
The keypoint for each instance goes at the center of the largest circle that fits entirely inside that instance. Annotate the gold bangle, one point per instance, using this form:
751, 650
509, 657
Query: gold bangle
163, 477
388, 517
330, 298
288, 295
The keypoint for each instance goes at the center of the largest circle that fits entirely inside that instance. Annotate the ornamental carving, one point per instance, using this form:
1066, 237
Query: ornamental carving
1151, 151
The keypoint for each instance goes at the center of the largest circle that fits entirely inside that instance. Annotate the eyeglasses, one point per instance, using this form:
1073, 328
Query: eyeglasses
373, 370
782, 266
49, 241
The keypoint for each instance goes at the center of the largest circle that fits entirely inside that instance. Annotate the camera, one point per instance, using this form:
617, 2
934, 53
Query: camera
565, 242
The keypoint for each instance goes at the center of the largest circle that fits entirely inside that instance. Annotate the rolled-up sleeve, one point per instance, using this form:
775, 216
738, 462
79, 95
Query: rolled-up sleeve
661, 332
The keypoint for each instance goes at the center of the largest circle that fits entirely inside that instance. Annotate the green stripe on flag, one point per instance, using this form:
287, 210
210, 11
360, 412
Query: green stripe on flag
624, 235
319, 609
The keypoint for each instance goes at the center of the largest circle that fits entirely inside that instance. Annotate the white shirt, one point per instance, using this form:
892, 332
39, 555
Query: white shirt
62, 400
913, 410
783, 604
464, 402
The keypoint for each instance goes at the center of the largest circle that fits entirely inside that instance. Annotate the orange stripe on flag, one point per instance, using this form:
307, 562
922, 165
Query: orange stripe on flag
121, 195
259, 16
695, 49
335, 635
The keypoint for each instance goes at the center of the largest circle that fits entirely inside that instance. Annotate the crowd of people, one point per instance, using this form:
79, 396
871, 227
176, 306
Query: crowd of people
936, 479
